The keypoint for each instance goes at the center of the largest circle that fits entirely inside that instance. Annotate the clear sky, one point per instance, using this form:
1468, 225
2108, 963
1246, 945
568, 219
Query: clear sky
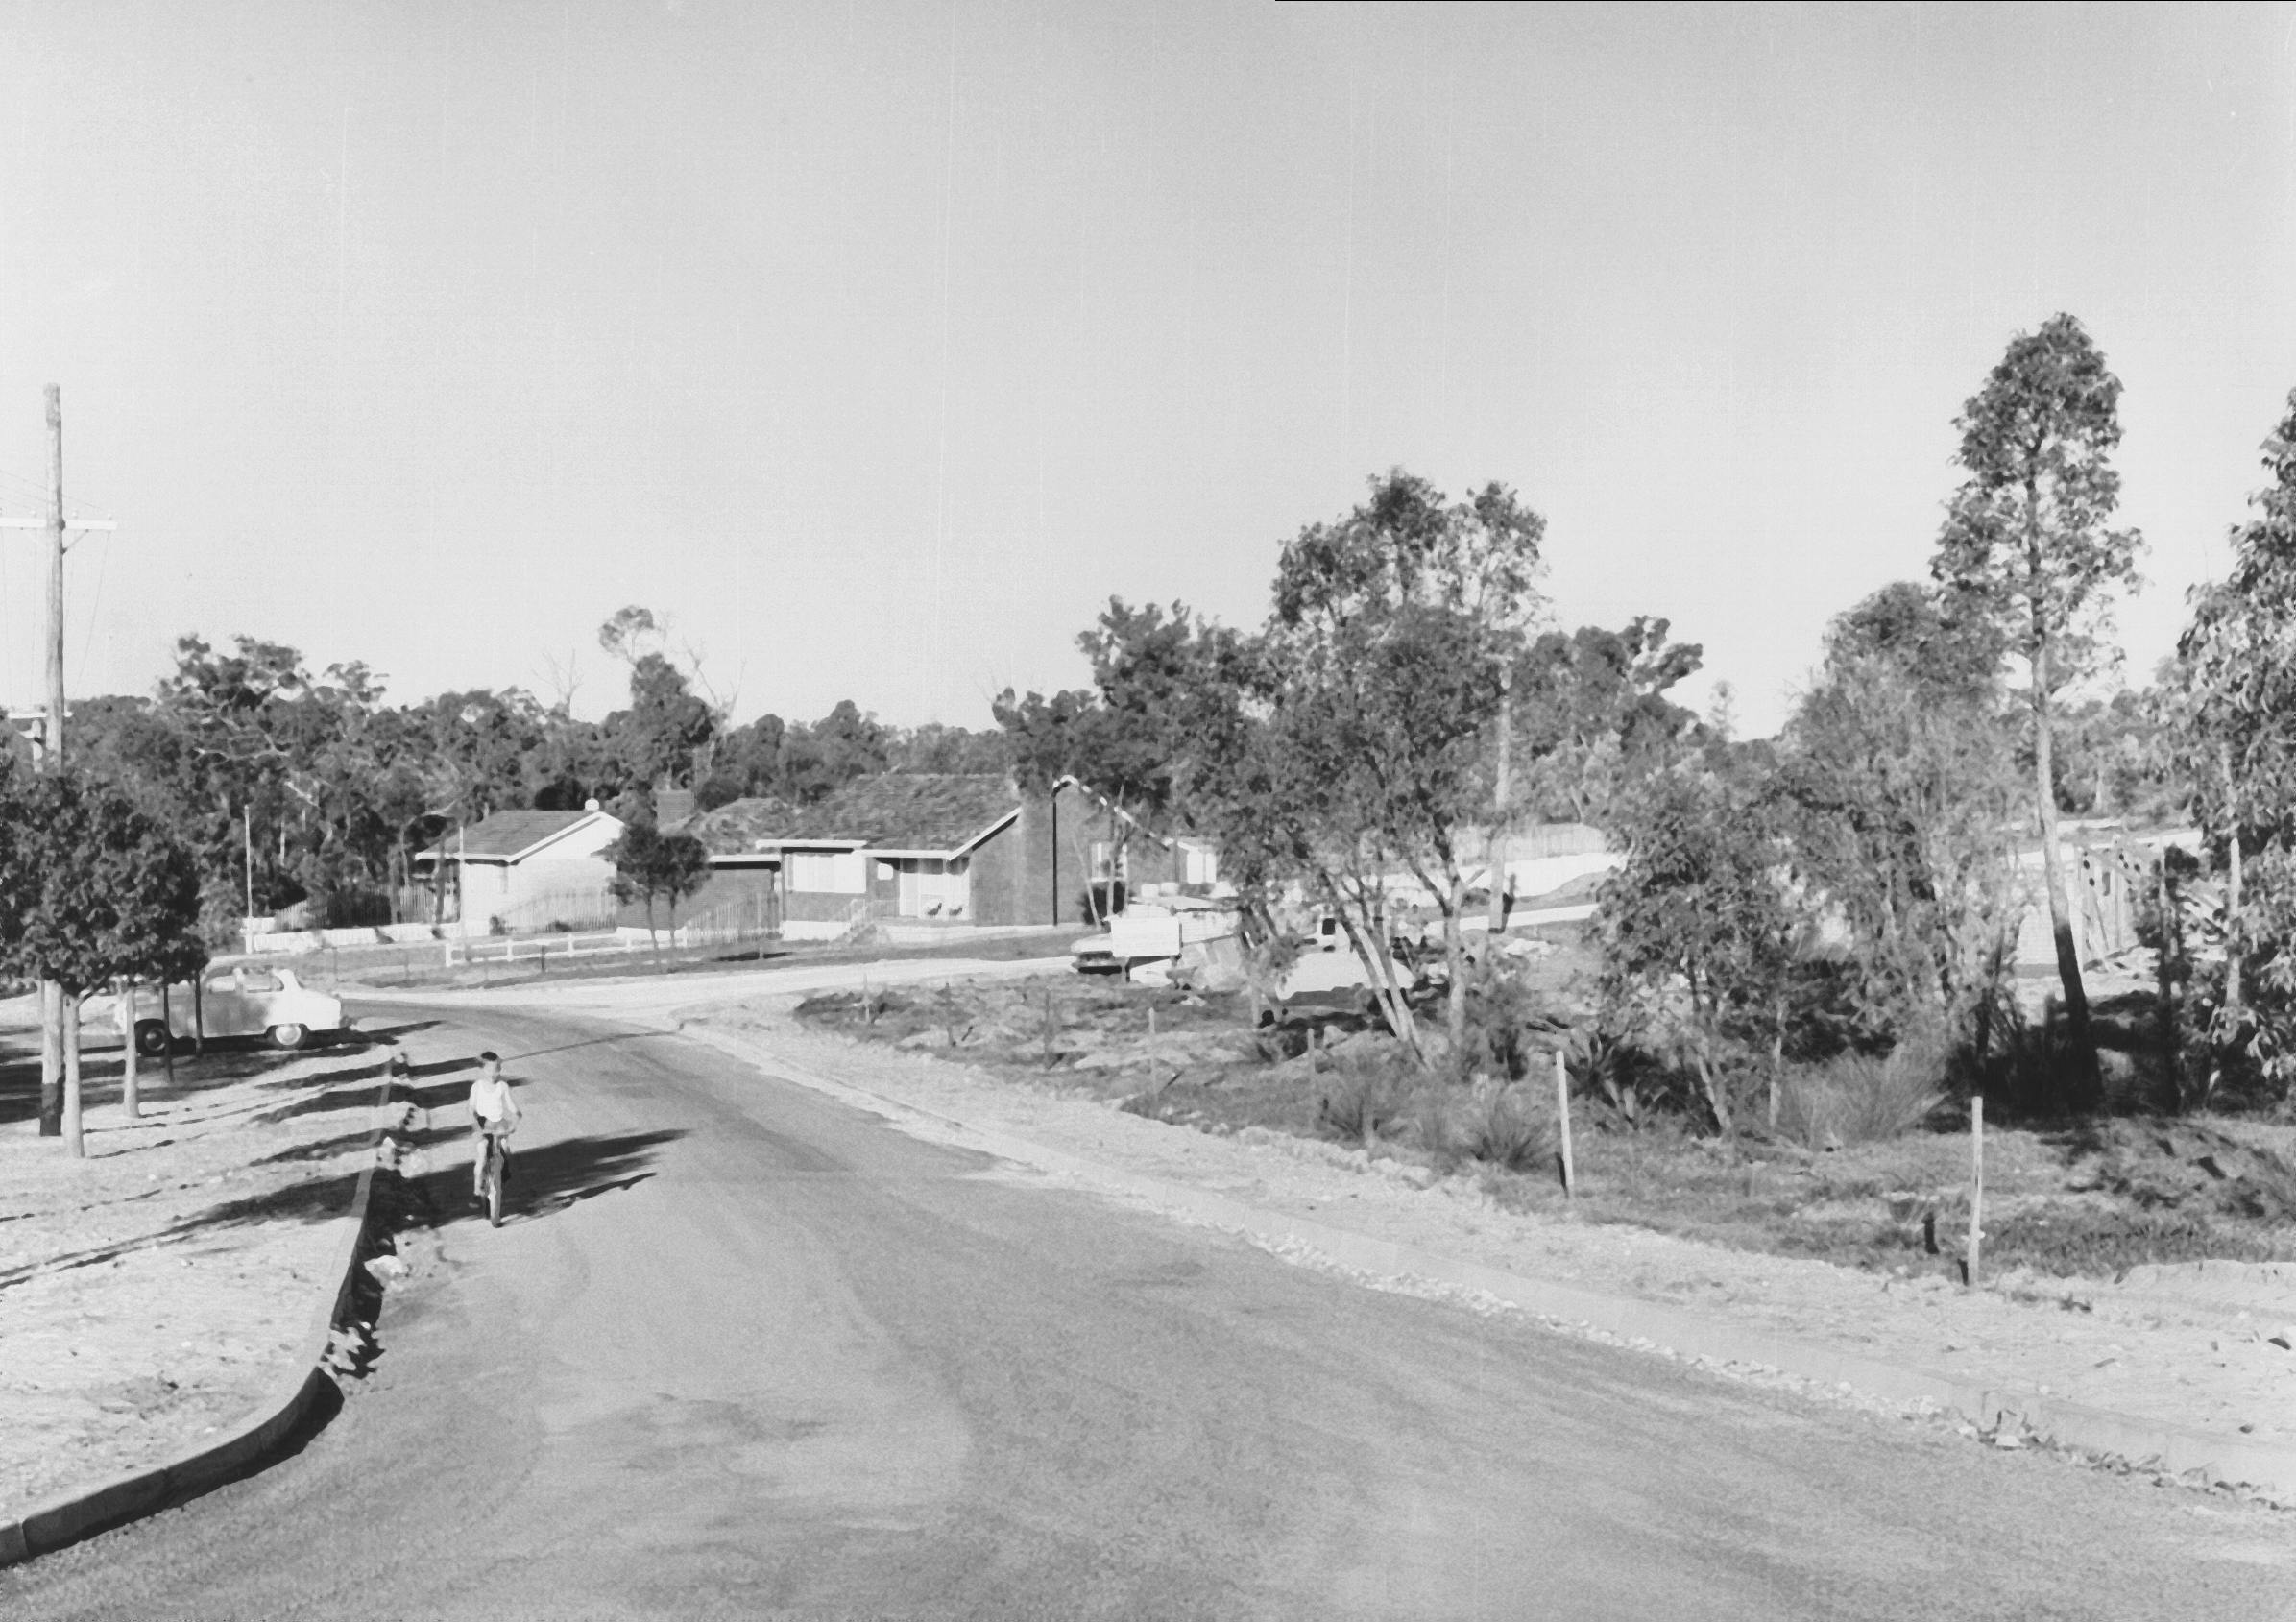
877, 345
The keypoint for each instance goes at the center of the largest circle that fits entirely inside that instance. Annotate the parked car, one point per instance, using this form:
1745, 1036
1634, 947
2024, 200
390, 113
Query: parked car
1153, 934
249, 1000
1327, 977
1133, 938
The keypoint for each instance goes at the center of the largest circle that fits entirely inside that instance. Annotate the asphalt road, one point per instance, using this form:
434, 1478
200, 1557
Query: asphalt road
744, 1352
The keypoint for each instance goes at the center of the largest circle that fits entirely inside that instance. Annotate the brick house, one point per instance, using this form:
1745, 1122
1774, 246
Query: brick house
945, 848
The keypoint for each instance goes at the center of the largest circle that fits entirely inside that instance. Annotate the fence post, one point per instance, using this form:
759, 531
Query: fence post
1976, 1183
1563, 1115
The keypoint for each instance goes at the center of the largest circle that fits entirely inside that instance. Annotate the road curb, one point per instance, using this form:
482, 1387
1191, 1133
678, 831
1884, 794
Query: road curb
62, 1521
2006, 1409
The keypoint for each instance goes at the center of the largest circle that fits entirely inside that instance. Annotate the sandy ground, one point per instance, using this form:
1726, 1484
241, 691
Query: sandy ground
156, 1290
2204, 1346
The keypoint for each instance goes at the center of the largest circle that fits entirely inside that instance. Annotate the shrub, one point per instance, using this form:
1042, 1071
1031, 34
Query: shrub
863, 1007
1501, 1125
1853, 1098
1504, 1014
1361, 1097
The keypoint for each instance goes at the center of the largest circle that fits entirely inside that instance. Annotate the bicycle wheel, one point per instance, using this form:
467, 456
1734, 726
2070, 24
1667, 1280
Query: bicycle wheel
493, 1186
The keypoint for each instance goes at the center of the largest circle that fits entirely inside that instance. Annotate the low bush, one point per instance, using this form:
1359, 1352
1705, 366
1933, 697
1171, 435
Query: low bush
1512, 1024
1501, 1125
1362, 1097
2068, 1241
852, 1008
1853, 1098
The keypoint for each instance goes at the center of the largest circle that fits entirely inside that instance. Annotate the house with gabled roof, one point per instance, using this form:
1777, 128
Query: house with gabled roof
933, 848
531, 869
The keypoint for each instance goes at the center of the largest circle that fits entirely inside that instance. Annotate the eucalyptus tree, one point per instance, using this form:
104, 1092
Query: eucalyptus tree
1698, 926
1382, 675
1591, 714
650, 866
2029, 544
2230, 702
1898, 787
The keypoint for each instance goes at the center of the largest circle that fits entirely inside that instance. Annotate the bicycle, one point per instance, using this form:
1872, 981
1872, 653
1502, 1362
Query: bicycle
492, 1179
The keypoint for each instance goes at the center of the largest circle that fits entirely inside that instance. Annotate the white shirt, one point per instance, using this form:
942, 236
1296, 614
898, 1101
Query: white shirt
492, 1105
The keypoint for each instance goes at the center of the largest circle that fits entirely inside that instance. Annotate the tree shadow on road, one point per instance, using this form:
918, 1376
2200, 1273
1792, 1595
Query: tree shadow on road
318, 1103
101, 1069
384, 1035
319, 1149
545, 1178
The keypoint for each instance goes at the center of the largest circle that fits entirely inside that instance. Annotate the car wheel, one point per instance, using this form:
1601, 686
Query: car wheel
290, 1036
151, 1038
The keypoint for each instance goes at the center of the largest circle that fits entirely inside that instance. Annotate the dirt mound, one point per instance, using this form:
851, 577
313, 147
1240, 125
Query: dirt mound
2186, 1166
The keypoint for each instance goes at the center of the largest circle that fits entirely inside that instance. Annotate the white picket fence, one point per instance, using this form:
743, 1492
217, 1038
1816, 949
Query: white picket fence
544, 950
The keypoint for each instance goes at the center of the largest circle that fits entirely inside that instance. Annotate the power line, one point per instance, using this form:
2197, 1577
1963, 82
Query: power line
95, 604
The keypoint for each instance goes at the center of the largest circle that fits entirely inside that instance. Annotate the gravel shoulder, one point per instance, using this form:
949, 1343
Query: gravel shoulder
2204, 1346
156, 1291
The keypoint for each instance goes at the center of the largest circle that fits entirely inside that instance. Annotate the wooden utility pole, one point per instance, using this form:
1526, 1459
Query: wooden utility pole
56, 579
59, 1015
60, 1024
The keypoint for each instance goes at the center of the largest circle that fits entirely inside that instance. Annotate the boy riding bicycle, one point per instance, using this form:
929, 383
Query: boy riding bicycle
493, 1117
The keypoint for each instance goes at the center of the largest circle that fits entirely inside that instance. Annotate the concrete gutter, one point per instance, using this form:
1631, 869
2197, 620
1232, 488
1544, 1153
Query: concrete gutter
2001, 1410
254, 1438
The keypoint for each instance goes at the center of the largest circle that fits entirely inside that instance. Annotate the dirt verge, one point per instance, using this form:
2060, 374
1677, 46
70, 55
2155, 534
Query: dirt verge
153, 1293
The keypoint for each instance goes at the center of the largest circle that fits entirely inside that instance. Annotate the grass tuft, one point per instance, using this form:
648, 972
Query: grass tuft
1856, 1098
1501, 1127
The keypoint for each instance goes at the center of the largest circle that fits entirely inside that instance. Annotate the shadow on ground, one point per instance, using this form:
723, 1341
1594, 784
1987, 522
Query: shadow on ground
544, 1179
100, 1071
314, 1200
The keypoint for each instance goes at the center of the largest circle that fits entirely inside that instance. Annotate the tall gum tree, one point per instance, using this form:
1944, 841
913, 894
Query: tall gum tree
2029, 544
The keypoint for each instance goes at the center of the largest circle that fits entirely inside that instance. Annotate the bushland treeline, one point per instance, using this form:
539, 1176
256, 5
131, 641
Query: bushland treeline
1852, 884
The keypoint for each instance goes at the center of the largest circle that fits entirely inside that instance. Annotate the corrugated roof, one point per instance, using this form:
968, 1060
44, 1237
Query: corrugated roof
893, 811
507, 833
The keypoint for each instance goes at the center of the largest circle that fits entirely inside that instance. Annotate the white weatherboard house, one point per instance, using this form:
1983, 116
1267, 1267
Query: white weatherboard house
531, 869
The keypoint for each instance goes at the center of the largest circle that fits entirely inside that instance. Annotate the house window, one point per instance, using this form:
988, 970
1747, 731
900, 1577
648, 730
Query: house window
826, 872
